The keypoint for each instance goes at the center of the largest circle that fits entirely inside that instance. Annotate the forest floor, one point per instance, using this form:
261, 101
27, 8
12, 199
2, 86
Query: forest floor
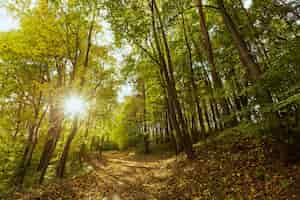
239, 169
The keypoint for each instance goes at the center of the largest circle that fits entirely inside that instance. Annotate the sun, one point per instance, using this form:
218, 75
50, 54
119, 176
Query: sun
75, 106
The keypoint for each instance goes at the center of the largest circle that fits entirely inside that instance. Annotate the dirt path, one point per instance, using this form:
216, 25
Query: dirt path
118, 175
126, 176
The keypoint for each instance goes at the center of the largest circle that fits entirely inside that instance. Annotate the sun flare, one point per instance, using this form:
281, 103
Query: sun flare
75, 106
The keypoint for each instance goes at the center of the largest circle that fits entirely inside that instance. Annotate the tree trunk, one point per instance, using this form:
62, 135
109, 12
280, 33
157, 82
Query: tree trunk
210, 57
145, 132
206, 111
173, 134
52, 138
167, 68
157, 133
167, 127
30, 146
82, 151
63, 159
192, 80
214, 115
101, 146
21, 171
246, 58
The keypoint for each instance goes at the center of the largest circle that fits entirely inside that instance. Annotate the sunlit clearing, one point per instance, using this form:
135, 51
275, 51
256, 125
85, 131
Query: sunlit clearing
75, 106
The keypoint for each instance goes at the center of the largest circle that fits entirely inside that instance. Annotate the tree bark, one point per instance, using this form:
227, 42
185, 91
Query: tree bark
167, 68
52, 138
63, 159
33, 131
192, 80
210, 56
246, 58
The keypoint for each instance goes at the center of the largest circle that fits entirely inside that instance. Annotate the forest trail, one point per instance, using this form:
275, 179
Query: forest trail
117, 175
126, 176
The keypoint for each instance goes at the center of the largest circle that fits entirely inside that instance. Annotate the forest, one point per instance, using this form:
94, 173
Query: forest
150, 99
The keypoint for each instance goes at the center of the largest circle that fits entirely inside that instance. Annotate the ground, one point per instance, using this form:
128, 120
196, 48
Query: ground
239, 169
122, 175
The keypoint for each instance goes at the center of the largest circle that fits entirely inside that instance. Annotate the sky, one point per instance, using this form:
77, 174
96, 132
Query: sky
247, 3
7, 22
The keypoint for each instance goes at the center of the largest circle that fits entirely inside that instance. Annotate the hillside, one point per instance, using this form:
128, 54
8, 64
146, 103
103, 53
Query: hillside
235, 168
